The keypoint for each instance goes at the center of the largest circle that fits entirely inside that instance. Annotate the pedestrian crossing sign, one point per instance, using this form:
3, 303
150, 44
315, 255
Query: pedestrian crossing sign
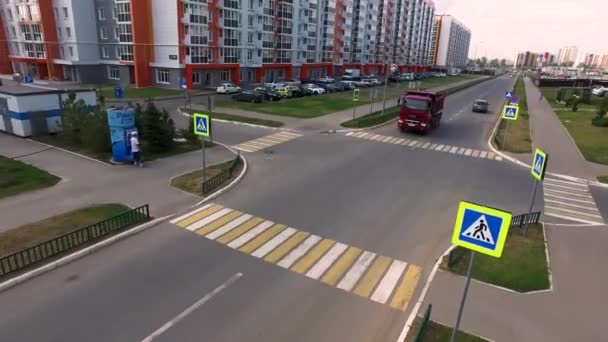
510, 112
539, 164
201, 124
481, 229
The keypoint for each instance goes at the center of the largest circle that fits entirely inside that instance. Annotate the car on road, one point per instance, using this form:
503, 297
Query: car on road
600, 91
268, 94
316, 90
249, 96
227, 88
326, 79
480, 106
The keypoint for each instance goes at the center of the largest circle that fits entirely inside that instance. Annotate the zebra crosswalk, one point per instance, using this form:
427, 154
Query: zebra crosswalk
266, 141
570, 200
425, 145
367, 274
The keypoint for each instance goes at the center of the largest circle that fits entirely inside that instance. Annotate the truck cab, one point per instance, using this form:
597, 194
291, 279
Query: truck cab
420, 111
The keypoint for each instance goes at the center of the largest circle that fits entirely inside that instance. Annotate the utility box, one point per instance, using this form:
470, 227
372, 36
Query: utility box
122, 125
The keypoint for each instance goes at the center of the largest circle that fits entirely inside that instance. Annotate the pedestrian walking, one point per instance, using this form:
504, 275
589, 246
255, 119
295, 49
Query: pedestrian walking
135, 149
399, 102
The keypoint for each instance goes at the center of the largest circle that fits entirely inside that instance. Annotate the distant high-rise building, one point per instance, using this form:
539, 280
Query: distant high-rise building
450, 41
567, 54
528, 59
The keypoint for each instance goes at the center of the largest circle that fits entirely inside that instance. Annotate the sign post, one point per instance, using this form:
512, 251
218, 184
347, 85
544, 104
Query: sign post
538, 168
355, 99
510, 113
483, 230
202, 128
372, 97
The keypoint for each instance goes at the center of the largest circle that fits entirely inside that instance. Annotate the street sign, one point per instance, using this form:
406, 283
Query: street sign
510, 112
514, 99
356, 94
28, 79
539, 164
508, 94
481, 229
201, 124
183, 83
118, 93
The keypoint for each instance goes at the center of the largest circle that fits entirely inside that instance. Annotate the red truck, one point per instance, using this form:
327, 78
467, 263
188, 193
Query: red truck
420, 111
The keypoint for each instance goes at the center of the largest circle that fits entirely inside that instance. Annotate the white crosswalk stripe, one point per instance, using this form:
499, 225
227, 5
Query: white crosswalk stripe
267, 141
570, 201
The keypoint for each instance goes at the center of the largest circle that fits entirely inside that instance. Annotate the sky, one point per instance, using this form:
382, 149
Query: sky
502, 28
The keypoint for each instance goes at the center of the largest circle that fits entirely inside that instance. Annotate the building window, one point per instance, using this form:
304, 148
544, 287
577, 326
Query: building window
25, 30
65, 12
104, 52
13, 32
196, 78
123, 12
71, 49
116, 34
62, 51
59, 32
10, 14
34, 13
124, 33
113, 72
102, 33
68, 32
36, 33
224, 75
162, 76
101, 13
125, 52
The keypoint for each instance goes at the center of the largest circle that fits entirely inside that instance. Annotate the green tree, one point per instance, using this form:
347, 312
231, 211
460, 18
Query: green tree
495, 63
503, 62
72, 119
157, 129
96, 132
483, 62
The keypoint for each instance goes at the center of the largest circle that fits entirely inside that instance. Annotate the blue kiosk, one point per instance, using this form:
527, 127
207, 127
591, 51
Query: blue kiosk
122, 124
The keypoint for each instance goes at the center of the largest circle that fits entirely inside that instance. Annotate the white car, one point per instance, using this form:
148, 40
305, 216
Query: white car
227, 88
326, 79
274, 85
316, 90
600, 91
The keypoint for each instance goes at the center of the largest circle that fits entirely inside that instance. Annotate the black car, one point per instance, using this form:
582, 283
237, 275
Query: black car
480, 106
341, 86
329, 88
249, 96
268, 94
306, 91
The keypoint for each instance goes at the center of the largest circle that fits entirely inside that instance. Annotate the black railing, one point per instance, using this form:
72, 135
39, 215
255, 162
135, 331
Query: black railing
523, 219
423, 325
219, 179
35, 254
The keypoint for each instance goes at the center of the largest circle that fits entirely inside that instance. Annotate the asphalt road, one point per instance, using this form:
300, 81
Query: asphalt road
459, 125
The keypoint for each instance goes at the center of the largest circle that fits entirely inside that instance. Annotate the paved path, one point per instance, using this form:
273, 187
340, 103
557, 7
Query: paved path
550, 135
87, 182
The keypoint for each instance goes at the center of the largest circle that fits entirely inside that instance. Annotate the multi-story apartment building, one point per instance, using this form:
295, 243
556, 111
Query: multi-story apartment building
451, 41
197, 43
568, 54
527, 60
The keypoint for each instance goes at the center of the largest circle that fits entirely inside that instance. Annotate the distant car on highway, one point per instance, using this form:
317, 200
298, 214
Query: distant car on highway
480, 106
227, 88
249, 96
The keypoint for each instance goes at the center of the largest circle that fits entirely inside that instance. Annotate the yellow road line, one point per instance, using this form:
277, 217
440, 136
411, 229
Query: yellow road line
286, 247
402, 296
311, 257
262, 238
254, 143
491, 155
335, 272
238, 231
374, 273
218, 223
198, 216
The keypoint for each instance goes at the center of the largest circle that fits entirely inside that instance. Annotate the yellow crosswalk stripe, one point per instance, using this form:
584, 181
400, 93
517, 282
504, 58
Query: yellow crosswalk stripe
218, 223
402, 296
285, 247
491, 155
199, 216
335, 272
238, 231
262, 238
374, 273
311, 257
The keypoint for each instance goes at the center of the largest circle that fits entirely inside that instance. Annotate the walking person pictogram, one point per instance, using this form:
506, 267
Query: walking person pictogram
480, 231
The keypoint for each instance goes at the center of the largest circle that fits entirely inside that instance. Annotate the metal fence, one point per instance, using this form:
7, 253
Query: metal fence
30, 256
521, 220
219, 179
423, 325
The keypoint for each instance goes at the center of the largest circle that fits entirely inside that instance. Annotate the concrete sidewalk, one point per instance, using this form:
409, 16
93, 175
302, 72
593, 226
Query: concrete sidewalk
550, 135
574, 311
88, 182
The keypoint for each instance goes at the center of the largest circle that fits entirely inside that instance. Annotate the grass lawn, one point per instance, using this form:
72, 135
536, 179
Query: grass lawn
193, 182
551, 95
603, 179
239, 118
32, 234
518, 134
591, 140
56, 140
522, 267
107, 90
436, 332
17, 177
314, 106
372, 119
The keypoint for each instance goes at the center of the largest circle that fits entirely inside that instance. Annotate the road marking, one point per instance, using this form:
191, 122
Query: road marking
258, 143
337, 270
306, 262
228, 227
326, 261
387, 284
553, 180
356, 271
243, 149
575, 212
549, 190
447, 148
483, 154
176, 220
468, 152
272, 244
198, 224
404, 293
406, 142
439, 148
556, 186
285, 247
433, 146
414, 142
218, 223
373, 275
262, 238
191, 309
363, 135
241, 240
567, 198
190, 220
351, 133
454, 149
570, 218
251, 147
491, 155
590, 207
426, 145
475, 153
461, 151
386, 139
400, 141
299, 251
238, 231
498, 158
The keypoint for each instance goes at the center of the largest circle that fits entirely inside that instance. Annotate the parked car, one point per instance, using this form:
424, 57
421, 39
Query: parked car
408, 76
341, 86
368, 76
600, 91
316, 90
249, 96
274, 85
292, 82
227, 88
268, 94
374, 81
480, 106
283, 91
326, 79
348, 84
329, 87
295, 91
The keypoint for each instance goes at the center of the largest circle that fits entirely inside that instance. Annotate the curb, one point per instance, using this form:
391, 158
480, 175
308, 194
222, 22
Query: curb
70, 152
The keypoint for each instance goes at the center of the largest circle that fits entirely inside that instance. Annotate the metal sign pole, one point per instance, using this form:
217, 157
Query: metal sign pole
386, 73
373, 97
504, 140
464, 296
531, 206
